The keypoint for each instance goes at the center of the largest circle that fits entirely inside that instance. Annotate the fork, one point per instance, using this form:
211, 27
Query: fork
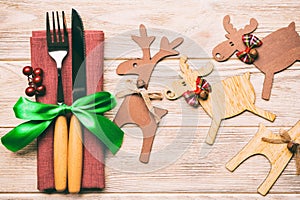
58, 48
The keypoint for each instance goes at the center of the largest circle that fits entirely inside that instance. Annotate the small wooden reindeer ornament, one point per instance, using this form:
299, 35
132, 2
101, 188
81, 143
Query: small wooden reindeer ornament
278, 149
136, 108
227, 99
278, 50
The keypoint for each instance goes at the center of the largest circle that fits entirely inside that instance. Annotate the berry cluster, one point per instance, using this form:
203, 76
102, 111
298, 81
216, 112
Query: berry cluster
35, 80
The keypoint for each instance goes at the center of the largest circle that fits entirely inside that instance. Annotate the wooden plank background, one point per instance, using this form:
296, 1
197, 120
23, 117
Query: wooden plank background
181, 166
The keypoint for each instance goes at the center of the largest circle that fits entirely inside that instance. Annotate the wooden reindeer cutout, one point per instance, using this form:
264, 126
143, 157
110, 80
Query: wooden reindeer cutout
278, 154
278, 51
135, 109
228, 98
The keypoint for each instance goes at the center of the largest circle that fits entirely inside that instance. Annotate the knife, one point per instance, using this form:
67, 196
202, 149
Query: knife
79, 90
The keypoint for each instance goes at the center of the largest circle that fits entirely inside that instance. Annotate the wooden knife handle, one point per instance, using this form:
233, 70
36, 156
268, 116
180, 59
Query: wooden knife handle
60, 153
75, 156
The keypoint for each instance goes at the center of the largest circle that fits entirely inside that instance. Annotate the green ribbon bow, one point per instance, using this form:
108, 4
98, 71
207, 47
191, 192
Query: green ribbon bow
88, 109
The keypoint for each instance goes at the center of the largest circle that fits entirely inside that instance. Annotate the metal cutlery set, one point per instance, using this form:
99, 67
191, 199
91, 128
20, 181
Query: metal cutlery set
67, 142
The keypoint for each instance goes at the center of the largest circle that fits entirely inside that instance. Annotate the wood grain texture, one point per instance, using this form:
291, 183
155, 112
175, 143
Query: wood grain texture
149, 196
60, 153
278, 155
182, 166
75, 155
228, 98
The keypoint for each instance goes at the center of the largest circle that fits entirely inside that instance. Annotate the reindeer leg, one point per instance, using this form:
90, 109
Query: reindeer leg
267, 87
250, 149
261, 112
149, 132
123, 116
214, 127
148, 137
276, 169
119, 120
244, 154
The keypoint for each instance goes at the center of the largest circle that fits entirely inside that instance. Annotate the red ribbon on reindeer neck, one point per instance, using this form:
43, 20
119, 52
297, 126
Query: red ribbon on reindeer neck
201, 92
249, 54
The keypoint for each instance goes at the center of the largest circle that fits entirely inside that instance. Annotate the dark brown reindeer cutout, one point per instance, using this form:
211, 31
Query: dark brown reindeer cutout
279, 50
134, 109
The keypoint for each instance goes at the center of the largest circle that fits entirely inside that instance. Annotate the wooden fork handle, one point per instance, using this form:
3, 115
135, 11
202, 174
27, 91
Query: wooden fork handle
60, 153
75, 156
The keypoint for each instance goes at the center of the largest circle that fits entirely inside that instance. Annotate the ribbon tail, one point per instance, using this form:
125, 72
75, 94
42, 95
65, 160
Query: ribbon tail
272, 141
285, 137
125, 93
24, 134
149, 105
100, 102
104, 129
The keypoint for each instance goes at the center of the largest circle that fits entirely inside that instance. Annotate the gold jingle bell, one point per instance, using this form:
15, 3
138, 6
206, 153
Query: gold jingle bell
253, 53
203, 95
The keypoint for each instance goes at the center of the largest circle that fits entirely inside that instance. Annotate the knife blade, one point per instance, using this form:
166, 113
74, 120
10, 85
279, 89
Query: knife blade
78, 90
78, 57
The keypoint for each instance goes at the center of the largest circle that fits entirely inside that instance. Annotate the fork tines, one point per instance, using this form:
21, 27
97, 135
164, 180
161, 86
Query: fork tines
55, 37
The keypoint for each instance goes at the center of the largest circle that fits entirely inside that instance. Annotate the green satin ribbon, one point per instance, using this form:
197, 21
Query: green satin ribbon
89, 111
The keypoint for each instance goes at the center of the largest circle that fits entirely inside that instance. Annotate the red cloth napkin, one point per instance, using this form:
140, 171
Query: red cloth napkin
93, 161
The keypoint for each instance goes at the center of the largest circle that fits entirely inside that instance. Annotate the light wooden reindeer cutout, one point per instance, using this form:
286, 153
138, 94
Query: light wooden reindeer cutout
228, 98
278, 154
279, 50
134, 109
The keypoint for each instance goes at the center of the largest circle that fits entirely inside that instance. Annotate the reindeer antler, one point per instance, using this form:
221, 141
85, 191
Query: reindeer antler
144, 41
167, 48
251, 27
228, 26
247, 29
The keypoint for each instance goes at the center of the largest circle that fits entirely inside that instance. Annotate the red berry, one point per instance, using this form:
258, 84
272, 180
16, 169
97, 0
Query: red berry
38, 72
30, 91
41, 90
37, 80
27, 71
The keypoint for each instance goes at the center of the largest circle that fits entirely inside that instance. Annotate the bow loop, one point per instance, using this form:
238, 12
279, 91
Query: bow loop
249, 54
203, 88
29, 110
96, 103
88, 110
